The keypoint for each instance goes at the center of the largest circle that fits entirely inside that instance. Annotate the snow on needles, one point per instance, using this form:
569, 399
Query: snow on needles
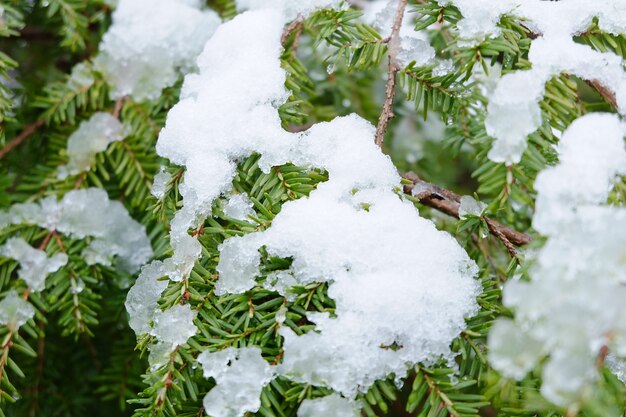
388, 316
574, 305
513, 110
35, 265
91, 137
142, 54
88, 212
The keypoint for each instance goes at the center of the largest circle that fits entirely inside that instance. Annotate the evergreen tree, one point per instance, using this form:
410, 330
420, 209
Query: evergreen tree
205, 268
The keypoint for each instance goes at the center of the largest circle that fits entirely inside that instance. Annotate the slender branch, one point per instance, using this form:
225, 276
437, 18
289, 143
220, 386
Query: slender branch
296, 25
28, 130
448, 202
392, 70
605, 92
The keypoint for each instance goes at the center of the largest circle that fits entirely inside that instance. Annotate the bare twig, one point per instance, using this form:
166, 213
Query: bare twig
392, 70
28, 130
117, 108
448, 202
296, 26
605, 92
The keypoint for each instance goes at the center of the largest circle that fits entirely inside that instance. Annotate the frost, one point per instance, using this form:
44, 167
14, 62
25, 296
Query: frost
174, 325
92, 136
513, 111
574, 305
15, 311
140, 56
89, 212
142, 299
239, 207
329, 236
34, 263
240, 375
331, 405
470, 207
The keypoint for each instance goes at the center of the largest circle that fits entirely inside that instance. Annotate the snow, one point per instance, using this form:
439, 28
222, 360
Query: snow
140, 55
513, 111
92, 136
161, 183
89, 212
329, 235
81, 77
414, 49
15, 311
174, 325
240, 375
35, 265
574, 304
617, 366
470, 207
331, 405
239, 207
142, 299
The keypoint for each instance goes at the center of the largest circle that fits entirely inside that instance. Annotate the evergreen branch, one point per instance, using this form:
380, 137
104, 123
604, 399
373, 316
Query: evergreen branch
392, 70
26, 133
448, 202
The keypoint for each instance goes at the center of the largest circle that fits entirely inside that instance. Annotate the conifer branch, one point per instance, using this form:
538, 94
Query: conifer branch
392, 70
26, 133
448, 202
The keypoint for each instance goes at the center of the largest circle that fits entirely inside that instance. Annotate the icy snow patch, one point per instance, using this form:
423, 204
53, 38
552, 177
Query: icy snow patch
140, 55
331, 405
174, 325
15, 311
239, 207
92, 136
240, 375
35, 265
89, 212
574, 304
513, 111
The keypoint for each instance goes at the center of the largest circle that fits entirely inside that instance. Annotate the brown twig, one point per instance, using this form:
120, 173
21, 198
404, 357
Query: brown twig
117, 108
296, 26
392, 69
448, 202
28, 130
605, 92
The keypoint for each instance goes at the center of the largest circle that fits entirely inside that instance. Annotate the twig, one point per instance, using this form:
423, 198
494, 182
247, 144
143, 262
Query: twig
296, 25
28, 130
448, 202
392, 70
605, 92
117, 108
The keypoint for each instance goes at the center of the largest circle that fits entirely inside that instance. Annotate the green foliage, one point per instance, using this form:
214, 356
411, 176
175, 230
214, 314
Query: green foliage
78, 356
